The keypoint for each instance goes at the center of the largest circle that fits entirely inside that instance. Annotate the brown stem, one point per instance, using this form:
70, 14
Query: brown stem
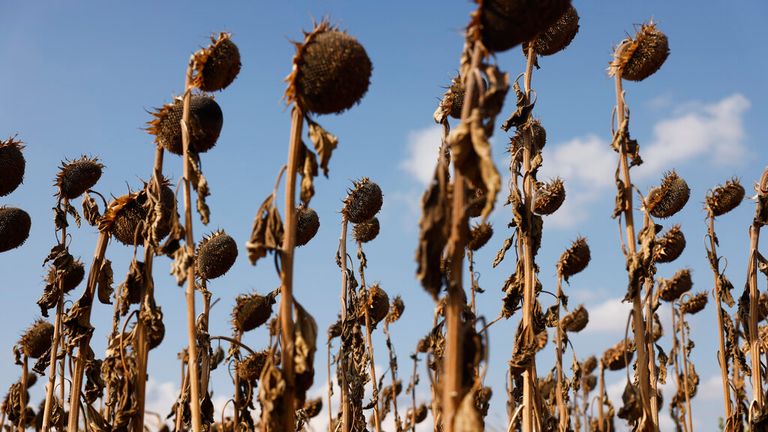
23, 394
81, 360
754, 345
142, 345
601, 415
529, 294
452, 391
237, 395
194, 375
56, 340
563, 410
684, 352
414, 378
330, 387
369, 342
206, 352
472, 281
286, 267
637, 311
346, 411
393, 374
719, 308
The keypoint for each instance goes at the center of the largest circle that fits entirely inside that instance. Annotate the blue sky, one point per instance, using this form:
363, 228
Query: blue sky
80, 77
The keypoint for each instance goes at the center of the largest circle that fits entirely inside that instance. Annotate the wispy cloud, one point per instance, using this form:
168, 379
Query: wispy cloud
696, 132
608, 316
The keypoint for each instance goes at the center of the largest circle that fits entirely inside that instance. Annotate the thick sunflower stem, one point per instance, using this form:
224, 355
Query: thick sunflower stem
346, 410
23, 394
686, 389
81, 360
286, 267
194, 375
142, 345
562, 409
754, 294
452, 391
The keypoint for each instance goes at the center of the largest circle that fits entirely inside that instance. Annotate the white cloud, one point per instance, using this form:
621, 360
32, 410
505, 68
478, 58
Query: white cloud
160, 397
608, 316
422, 146
714, 132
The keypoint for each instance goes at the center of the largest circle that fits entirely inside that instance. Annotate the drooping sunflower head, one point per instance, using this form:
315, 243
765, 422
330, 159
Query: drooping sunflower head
217, 65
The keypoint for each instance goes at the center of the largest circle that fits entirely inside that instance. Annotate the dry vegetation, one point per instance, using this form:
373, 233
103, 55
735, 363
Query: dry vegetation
330, 74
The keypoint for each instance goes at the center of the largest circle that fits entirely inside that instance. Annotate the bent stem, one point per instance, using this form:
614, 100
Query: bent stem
55, 342
637, 312
194, 376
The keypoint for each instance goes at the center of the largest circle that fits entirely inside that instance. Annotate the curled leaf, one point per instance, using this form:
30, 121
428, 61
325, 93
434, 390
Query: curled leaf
324, 142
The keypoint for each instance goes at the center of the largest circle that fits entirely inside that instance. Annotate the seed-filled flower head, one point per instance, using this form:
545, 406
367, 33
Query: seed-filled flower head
251, 311
479, 236
549, 197
366, 231
250, 368
377, 304
574, 259
363, 201
558, 35
694, 304
331, 71
69, 275
126, 215
14, 228
668, 198
77, 176
619, 356
533, 130
217, 65
215, 255
725, 198
640, 57
37, 339
669, 246
12, 165
575, 321
205, 122
671, 289
508, 23
589, 365
307, 224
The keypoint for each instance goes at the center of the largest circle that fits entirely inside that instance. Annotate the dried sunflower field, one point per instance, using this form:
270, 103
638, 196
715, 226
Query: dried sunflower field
499, 215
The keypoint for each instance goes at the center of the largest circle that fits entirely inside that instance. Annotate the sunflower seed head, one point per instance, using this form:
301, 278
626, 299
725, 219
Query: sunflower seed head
725, 198
574, 259
479, 236
307, 224
619, 356
640, 57
366, 231
558, 35
363, 201
12, 165
668, 198
205, 122
671, 289
77, 176
377, 304
70, 275
669, 246
575, 321
331, 71
590, 364
37, 339
396, 310
251, 311
549, 197
250, 368
694, 304
15, 224
217, 65
215, 255
508, 23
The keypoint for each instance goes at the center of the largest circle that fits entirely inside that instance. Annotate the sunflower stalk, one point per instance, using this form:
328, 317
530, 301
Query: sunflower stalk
346, 410
57, 335
194, 380
754, 294
638, 320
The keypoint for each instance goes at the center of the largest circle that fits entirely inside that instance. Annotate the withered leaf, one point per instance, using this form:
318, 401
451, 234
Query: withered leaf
91, 210
523, 111
182, 264
492, 100
73, 212
200, 185
433, 231
267, 232
502, 252
308, 171
104, 282
324, 142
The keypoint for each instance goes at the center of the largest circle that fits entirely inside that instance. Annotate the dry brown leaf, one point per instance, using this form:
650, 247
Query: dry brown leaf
308, 171
267, 232
324, 142
104, 282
